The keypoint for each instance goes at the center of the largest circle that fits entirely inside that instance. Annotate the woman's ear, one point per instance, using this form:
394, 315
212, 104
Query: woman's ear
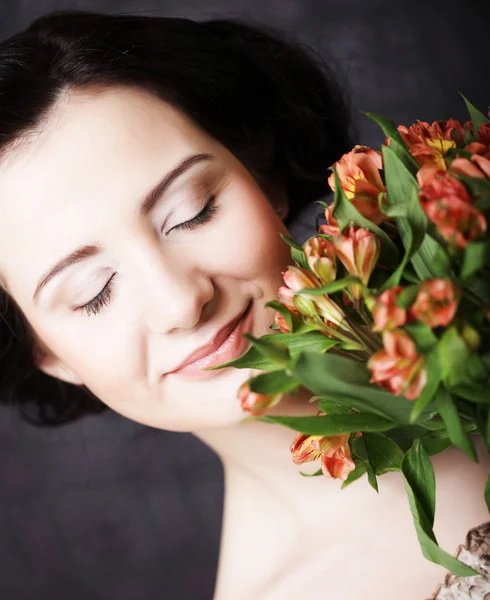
51, 365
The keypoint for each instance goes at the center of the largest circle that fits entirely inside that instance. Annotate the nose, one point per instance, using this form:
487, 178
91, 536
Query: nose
176, 294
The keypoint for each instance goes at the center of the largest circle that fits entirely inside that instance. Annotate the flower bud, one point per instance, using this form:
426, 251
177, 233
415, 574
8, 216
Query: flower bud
358, 249
436, 302
321, 258
386, 313
256, 403
398, 367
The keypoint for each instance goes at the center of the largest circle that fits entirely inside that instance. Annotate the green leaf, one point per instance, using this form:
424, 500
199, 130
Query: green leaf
348, 382
476, 116
361, 452
450, 416
345, 213
431, 386
315, 474
331, 424
291, 242
274, 382
251, 359
407, 296
473, 392
487, 492
418, 472
354, 475
403, 190
331, 288
384, 454
423, 336
390, 130
453, 354
299, 258
272, 349
282, 310
330, 406
474, 259
420, 485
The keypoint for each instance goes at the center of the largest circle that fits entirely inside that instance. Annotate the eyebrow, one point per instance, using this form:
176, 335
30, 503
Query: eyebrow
147, 204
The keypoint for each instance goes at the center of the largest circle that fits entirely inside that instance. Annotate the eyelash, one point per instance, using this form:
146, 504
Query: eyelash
104, 297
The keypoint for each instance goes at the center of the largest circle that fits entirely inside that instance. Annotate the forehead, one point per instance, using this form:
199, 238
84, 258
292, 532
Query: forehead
94, 150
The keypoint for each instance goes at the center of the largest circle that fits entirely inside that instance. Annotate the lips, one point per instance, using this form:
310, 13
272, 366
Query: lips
215, 343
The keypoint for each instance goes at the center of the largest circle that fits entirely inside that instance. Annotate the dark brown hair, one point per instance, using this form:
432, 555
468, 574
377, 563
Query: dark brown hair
273, 103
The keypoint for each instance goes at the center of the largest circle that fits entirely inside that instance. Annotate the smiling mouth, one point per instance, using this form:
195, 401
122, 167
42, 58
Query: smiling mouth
231, 347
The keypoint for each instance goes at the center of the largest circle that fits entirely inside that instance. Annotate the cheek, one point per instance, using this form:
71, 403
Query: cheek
250, 244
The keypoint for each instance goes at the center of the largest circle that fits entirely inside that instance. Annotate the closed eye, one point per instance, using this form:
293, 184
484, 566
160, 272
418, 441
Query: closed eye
105, 296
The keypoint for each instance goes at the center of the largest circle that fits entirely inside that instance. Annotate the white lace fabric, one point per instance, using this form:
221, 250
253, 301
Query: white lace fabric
476, 554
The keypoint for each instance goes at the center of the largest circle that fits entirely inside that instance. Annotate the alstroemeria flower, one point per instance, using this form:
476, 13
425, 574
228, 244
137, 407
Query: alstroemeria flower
447, 204
296, 279
303, 450
436, 302
331, 227
484, 134
399, 368
321, 258
358, 249
386, 313
430, 143
334, 451
256, 403
285, 296
336, 459
478, 166
281, 322
360, 178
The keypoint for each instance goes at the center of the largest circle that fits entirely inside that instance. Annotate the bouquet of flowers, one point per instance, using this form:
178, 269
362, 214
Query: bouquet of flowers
385, 316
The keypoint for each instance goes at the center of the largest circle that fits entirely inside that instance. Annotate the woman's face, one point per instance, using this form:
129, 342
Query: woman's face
169, 287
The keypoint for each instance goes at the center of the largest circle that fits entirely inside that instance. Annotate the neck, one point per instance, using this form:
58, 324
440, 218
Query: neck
261, 449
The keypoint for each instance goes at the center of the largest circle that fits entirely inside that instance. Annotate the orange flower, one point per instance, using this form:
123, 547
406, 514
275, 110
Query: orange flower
281, 322
256, 403
321, 258
285, 297
332, 227
360, 178
478, 166
447, 204
436, 302
303, 450
398, 367
296, 279
457, 222
484, 134
358, 249
334, 451
386, 313
428, 144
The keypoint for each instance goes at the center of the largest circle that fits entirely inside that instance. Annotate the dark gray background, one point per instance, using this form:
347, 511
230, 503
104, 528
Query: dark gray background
107, 509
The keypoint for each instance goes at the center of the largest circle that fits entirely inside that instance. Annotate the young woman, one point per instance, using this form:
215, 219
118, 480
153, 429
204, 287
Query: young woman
148, 166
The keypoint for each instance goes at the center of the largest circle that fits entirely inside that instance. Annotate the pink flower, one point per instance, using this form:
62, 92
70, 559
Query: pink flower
281, 322
321, 258
334, 451
478, 166
398, 367
436, 302
358, 249
360, 178
256, 403
332, 227
296, 279
428, 144
285, 296
447, 204
386, 313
